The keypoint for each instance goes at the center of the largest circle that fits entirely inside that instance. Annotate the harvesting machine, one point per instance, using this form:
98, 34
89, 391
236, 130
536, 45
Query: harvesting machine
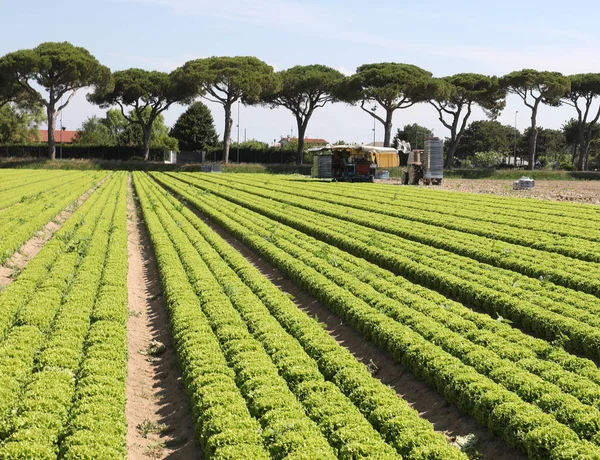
351, 163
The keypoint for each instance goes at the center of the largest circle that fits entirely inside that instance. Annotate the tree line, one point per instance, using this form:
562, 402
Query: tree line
489, 143
141, 96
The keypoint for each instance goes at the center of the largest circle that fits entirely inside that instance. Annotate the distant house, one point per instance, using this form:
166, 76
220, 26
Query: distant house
67, 136
376, 144
307, 140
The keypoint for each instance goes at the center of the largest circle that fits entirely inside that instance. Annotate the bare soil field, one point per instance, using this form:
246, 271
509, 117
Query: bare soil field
587, 192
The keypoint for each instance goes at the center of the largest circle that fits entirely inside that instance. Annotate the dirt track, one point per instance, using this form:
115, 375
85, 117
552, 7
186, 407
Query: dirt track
160, 423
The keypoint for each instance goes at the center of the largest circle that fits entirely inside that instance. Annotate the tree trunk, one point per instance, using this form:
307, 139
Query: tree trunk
51, 128
388, 128
584, 145
301, 133
450, 155
146, 132
227, 133
532, 143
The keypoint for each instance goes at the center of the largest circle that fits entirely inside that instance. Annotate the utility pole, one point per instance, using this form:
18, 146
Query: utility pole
515, 142
62, 128
374, 121
238, 133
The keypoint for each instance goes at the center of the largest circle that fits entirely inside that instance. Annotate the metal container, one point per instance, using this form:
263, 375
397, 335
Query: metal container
524, 183
433, 158
211, 168
322, 167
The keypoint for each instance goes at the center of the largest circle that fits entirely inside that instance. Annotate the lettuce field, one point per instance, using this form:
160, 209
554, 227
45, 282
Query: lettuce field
489, 304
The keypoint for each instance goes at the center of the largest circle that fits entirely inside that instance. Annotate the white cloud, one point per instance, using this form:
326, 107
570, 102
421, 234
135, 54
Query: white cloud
154, 63
345, 71
329, 22
576, 52
272, 12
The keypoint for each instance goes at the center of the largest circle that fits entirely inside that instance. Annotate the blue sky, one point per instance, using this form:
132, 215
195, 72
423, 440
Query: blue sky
442, 37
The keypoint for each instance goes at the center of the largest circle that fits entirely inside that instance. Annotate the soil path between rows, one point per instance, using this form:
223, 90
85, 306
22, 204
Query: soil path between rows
17, 262
444, 416
160, 423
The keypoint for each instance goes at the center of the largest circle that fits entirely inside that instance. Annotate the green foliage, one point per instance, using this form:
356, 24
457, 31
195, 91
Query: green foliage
30, 210
93, 131
302, 90
60, 69
550, 144
487, 159
585, 88
77, 385
224, 422
391, 85
118, 130
454, 101
20, 125
226, 80
148, 93
10, 91
140, 88
290, 150
116, 123
535, 86
387, 413
195, 128
466, 89
414, 134
500, 376
159, 133
251, 144
483, 136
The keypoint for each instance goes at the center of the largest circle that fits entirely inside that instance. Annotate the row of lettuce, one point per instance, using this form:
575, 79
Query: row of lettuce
63, 354
545, 207
562, 269
537, 305
575, 237
26, 207
25, 187
265, 380
536, 396
522, 213
276, 384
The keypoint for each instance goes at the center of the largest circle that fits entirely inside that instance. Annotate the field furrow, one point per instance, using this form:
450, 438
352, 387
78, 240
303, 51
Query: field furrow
398, 339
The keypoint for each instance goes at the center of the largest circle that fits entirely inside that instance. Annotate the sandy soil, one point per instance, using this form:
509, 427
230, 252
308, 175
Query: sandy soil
160, 423
13, 266
587, 192
431, 405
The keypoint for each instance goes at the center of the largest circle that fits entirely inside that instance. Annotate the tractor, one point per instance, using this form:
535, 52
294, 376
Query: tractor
425, 165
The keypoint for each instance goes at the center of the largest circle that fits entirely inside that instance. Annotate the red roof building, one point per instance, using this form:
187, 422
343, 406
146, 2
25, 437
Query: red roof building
67, 136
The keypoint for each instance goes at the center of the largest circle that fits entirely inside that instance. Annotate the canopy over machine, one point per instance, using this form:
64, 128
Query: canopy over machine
351, 163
